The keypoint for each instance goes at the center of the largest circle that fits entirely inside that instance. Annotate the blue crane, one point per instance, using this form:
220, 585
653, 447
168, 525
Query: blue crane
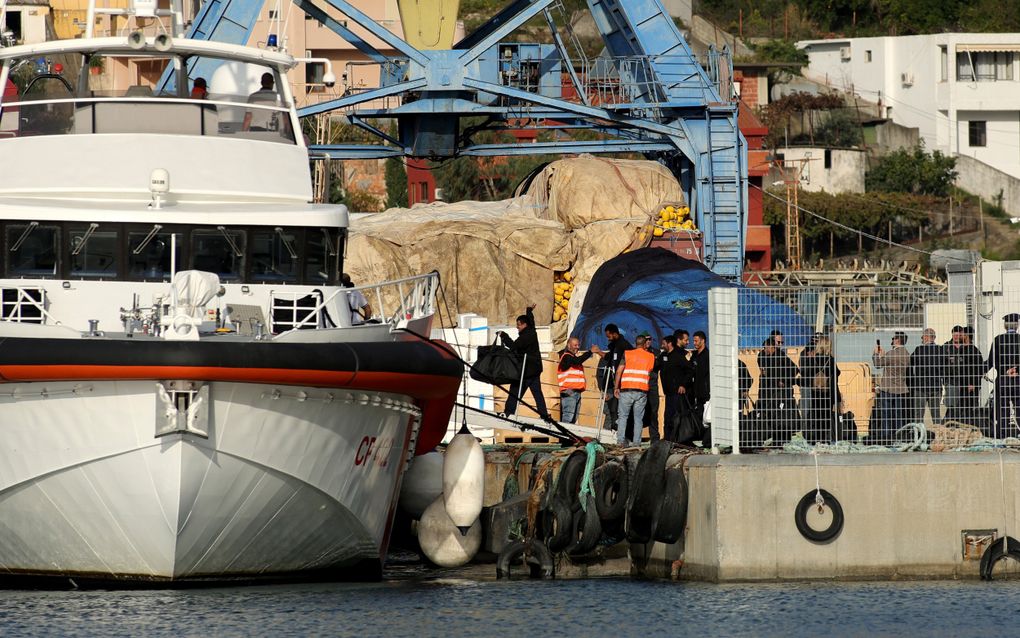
646, 93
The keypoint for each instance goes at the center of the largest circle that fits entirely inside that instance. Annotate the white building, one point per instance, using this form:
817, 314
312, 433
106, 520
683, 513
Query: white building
961, 90
833, 170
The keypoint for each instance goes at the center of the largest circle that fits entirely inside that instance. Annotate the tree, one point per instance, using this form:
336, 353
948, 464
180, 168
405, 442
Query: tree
396, 183
913, 171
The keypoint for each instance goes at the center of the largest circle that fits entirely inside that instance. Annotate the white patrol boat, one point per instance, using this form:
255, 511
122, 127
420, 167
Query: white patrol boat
183, 394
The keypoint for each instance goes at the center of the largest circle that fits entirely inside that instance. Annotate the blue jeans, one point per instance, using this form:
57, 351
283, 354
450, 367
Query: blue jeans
631, 399
570, 402
892, 416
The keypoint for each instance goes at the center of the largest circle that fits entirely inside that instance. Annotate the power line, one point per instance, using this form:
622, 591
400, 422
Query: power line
856, 230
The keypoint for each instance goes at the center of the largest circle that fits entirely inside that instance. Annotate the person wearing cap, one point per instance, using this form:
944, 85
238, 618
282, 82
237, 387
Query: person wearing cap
632, 390
924, 378
891, 389
964, 370
1004, 358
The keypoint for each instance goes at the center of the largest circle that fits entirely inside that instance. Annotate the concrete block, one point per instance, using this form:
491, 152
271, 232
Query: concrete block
498, 520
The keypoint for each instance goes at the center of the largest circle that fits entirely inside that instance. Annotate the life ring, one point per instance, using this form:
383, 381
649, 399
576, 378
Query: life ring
568, 484
557, 524
997, 552
610, 485
527, 552
835, 526
587, 529
669, 527
646, 488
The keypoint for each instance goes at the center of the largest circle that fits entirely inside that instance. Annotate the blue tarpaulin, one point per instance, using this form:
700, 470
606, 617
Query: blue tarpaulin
656, 291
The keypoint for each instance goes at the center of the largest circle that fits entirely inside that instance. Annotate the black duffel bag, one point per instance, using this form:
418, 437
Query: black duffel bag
686, 427
496, 365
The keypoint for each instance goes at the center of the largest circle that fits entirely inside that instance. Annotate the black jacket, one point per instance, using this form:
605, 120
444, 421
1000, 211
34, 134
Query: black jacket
701, 386
568, 360
927, 368
673, 369
526, 343
964, 367
612, 357
1005, 354
778, 372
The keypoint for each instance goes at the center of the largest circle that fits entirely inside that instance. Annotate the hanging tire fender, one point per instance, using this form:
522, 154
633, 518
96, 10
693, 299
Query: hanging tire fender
646, 488
557, 524
529, 552
673, 514
587, 529
835, 526
568, 483
998, 551
610, 484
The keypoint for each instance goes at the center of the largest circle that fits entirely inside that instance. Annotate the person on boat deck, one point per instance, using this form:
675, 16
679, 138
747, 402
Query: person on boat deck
361, 310
200, 90
261, 119
526, 347
632, 386
570, 377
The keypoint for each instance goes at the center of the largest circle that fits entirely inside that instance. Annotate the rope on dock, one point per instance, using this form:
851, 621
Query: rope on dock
592, 448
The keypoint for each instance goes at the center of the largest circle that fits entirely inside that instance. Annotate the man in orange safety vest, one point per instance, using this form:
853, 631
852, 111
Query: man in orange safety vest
570, 376
632, 389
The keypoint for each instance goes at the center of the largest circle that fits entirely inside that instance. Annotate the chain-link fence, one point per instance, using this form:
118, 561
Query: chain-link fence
860, 364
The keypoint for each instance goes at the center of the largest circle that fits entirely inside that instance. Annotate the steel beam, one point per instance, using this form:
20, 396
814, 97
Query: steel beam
379, 31
569, 148
338, 28
493, 38
354, 151
359, 98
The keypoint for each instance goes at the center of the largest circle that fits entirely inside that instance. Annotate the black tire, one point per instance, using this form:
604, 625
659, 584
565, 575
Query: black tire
669, 528
819, 536
646, 488
587, 529
557, 524
997, 552
531, 553
610, 485
568, 484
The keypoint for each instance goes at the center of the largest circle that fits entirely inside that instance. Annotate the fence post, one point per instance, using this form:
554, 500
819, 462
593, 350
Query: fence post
723, 350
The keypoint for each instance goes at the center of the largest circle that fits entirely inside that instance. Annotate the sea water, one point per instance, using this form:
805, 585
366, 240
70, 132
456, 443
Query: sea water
438, 605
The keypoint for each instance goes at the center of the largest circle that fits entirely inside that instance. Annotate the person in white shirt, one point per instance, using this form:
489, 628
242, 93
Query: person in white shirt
262, 119
361, 310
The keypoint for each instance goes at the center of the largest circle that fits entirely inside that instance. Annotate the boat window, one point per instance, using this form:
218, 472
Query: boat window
273, 257
149, 254
220, 251
32, 250
93, 252
322, 256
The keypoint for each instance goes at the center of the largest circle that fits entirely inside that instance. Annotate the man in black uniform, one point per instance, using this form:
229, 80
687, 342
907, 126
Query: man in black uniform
924, 377
965, 372
671, 365
612, 357
701, 384
651, 419
1005, 358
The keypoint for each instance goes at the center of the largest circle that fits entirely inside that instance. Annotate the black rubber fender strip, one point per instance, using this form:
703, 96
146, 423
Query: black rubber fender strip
996, 552
587, 529
528, 552
646, 488
557, 524
669, 528
819, 536
610, 483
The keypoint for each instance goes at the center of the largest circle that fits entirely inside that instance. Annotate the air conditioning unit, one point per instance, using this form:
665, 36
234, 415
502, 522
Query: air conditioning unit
907, 79
844, 53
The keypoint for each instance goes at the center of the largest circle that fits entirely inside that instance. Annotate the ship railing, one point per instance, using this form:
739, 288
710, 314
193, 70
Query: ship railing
396, 302
25, 305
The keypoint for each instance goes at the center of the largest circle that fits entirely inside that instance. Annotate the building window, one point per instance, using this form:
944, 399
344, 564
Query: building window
828, 158
867, 55
984, 66
977, 133
944, 61
272, 14
314, 72
423, 192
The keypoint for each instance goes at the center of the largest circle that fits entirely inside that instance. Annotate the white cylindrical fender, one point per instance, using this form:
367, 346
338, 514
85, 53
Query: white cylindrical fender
441, 540
464, 479
423, 483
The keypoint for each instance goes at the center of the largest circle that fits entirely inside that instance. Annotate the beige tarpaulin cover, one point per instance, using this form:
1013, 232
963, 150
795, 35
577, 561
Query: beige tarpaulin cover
497, 257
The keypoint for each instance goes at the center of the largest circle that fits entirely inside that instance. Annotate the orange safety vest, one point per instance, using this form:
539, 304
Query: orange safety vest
572, 378
637, 366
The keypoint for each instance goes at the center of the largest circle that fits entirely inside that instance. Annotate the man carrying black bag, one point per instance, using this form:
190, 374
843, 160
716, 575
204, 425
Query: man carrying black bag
525, 346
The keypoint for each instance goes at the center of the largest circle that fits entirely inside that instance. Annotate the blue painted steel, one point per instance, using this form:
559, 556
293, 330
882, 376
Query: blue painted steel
228, 21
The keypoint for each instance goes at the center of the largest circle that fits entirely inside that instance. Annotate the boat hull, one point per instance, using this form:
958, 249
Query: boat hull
286, 480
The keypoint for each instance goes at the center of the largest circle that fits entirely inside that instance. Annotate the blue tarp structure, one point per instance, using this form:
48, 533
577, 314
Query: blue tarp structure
656, 291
